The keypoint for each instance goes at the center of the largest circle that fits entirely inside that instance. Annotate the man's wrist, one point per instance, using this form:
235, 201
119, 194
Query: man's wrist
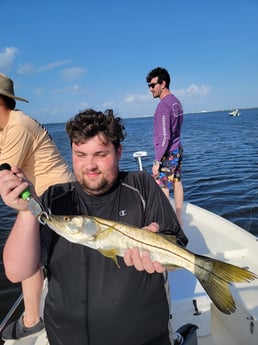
156, 162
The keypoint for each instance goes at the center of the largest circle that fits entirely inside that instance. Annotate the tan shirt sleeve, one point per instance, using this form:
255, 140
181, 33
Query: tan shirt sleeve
25, 143
18, 144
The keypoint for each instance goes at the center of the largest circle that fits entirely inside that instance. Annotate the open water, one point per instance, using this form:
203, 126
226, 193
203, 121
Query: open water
220, 170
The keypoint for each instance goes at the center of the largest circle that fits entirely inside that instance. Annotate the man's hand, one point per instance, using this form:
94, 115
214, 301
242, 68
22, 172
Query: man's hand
155, 170
12, 184
142, 262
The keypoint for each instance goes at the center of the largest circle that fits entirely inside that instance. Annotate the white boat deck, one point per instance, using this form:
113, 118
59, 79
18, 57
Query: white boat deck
214, 236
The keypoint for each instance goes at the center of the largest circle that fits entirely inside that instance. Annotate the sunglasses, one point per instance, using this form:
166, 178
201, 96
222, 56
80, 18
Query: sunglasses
152, 85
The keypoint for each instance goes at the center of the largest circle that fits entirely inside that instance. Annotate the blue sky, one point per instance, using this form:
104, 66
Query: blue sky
65, 56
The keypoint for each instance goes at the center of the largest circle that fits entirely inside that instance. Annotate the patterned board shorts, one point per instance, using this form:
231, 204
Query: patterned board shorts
170, 169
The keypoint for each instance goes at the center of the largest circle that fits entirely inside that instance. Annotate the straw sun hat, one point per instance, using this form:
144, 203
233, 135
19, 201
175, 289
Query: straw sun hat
6, 88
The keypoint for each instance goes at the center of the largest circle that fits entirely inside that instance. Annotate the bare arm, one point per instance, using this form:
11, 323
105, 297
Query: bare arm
22, 249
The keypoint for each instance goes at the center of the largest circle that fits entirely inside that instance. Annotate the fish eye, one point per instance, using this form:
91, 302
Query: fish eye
67, 219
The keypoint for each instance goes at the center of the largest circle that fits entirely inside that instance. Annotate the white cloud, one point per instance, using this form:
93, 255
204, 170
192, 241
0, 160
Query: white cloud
25, 68
6, 58
52, 65
84, 105
73, 88
72, 73
108, 105
130, 98
194, 90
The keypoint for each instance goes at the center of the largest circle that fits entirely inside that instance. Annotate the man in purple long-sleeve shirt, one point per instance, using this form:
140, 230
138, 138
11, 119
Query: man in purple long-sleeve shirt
168, 120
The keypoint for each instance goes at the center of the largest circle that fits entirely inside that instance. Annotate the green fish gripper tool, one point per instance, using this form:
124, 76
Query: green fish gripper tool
25, 195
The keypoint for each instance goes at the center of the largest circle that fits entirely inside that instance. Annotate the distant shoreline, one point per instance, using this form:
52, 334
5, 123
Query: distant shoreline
191, 113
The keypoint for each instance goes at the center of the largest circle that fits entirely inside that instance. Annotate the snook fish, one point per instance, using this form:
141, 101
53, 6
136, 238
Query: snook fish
112, 239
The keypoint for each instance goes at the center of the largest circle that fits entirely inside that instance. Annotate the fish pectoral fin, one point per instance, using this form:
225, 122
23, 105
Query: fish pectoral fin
110, 253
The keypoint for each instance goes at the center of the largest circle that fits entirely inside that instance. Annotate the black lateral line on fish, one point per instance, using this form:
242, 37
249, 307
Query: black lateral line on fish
111, 225
149, 244
167, 250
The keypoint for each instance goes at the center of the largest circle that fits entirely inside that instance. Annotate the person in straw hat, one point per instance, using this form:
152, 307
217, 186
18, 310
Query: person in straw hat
25, 143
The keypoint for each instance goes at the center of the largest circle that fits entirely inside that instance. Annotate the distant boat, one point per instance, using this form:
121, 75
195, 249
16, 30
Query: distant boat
234, 112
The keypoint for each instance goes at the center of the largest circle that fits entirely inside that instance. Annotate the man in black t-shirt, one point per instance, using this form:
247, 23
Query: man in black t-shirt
90, 300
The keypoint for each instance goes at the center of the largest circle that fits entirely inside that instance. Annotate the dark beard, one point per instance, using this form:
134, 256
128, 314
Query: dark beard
100, 189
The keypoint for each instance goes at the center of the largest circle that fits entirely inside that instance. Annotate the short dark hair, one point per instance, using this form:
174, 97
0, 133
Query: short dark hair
90, 122
9, 102
161, 73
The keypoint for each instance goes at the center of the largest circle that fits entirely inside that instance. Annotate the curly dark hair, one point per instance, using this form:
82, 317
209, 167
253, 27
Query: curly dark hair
161, 73
90, 122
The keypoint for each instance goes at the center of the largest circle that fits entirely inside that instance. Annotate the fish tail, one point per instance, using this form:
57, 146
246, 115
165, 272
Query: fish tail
216, 276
